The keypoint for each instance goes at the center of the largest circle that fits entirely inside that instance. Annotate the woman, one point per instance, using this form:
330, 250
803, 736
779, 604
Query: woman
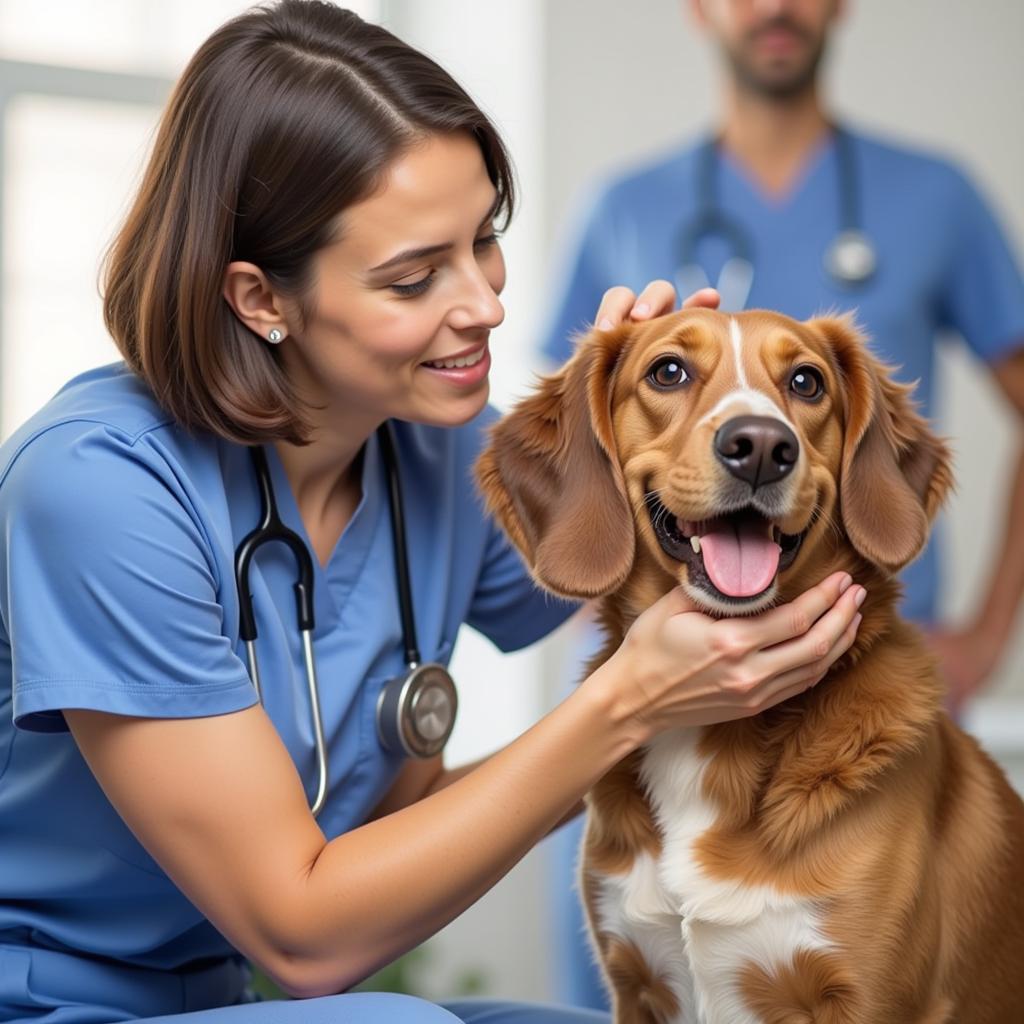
313, 252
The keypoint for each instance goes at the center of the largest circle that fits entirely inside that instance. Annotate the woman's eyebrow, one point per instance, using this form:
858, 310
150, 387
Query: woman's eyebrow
407, 255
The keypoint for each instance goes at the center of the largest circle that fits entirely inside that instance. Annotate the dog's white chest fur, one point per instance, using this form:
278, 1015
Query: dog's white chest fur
695, 932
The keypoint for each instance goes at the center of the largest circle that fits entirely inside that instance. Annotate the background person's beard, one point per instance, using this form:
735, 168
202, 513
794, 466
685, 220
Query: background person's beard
793, 78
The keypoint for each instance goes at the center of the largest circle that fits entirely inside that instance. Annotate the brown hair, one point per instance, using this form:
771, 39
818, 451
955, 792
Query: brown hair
285, 116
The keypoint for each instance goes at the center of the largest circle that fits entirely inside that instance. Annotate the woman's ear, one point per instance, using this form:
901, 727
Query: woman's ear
248, 292
551, 476
895, 471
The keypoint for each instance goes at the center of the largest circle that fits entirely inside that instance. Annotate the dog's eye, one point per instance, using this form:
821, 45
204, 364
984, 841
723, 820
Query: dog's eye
807, 382
668, 373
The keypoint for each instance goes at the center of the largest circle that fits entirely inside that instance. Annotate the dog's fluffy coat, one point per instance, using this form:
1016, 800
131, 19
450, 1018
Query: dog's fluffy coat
849, 856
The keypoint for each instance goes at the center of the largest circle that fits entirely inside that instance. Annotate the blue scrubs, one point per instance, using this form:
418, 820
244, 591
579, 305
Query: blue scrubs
943, 264
117, 539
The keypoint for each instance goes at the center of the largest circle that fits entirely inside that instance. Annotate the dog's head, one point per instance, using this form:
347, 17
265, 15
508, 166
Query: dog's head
738, 452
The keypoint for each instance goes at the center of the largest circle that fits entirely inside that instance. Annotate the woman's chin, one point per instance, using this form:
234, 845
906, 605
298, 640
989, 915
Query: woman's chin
455, 412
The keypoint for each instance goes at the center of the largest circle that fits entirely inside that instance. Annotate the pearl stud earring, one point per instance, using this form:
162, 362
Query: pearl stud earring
276, 336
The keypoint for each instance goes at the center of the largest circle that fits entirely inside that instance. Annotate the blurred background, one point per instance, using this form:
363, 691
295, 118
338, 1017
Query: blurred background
579, 88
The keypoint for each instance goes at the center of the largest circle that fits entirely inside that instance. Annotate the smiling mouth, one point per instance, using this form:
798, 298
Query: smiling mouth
458, 363
734, 557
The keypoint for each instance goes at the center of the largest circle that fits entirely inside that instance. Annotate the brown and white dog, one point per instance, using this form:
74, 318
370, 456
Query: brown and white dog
850, 855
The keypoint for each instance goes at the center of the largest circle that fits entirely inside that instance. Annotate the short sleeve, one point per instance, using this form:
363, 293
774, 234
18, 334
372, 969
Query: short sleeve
109, 596
581, 280
983, 297
508, 607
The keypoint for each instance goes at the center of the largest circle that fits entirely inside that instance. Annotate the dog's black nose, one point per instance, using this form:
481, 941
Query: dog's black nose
756, 449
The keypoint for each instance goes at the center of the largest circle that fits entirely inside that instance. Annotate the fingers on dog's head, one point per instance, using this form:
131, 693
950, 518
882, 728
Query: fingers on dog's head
551, 476
895, 472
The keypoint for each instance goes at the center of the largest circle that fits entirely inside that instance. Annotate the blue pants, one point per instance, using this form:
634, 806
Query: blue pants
385, 1008
45, 987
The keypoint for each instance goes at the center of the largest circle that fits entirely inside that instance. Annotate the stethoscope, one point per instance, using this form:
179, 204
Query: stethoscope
850, 258
415, 711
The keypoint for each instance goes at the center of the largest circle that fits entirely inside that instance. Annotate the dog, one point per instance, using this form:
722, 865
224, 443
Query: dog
849, 856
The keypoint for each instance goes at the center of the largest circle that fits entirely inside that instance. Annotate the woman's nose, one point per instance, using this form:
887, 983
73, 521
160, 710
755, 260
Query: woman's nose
477, 304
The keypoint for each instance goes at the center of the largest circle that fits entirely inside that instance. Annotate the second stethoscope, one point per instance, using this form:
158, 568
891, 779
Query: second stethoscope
415, 711
850, 258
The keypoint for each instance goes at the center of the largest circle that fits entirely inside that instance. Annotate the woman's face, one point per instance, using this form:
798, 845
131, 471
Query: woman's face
408, 291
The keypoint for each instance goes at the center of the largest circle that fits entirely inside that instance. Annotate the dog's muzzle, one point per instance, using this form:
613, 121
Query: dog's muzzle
736, 553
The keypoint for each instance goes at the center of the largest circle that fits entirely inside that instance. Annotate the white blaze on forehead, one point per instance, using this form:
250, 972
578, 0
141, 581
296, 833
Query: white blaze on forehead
758, 403
737, 351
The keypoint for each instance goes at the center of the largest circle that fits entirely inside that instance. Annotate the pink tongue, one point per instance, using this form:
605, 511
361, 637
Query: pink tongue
741, 561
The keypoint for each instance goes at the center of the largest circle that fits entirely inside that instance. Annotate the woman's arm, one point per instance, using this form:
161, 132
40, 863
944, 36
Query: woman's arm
219, 805
418, 779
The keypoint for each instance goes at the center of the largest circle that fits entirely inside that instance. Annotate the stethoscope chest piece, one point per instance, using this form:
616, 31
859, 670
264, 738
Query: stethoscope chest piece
851, 259
416, 712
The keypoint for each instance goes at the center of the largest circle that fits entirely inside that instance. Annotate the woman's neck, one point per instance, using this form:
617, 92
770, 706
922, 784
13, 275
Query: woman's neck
325, 477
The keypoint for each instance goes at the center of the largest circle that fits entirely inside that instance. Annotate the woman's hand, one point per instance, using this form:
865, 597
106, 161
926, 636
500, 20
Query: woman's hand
658, 298
678, 667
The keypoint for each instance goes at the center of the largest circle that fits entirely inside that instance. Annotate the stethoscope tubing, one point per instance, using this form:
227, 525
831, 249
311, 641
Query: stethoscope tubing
320, 744
402, 582
313, 687
270, 529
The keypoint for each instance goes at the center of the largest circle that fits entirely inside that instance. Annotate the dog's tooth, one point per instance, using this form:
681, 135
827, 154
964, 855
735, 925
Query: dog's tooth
695, 544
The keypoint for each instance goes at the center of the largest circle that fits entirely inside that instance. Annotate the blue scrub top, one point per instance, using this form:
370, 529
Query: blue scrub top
117, 539
943, 262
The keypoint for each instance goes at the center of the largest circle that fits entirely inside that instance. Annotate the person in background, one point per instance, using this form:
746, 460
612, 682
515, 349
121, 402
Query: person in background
784, 207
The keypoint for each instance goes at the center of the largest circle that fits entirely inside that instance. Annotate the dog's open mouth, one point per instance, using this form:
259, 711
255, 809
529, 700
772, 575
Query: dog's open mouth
736, 556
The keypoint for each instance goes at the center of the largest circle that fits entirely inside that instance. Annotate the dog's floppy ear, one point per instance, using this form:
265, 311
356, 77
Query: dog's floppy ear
895, 472
551, 476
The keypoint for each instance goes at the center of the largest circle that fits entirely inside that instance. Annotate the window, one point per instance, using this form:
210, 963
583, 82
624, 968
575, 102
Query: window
81, 90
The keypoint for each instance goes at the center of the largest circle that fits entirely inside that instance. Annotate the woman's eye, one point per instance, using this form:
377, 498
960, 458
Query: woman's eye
486, 241
415, 287
668, 373
807, 382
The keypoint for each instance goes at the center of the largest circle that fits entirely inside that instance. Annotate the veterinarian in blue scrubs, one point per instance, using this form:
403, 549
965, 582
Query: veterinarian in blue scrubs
312, 255
777, 184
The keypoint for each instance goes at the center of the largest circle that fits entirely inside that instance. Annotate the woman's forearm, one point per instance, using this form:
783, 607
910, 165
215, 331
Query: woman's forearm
450, 775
